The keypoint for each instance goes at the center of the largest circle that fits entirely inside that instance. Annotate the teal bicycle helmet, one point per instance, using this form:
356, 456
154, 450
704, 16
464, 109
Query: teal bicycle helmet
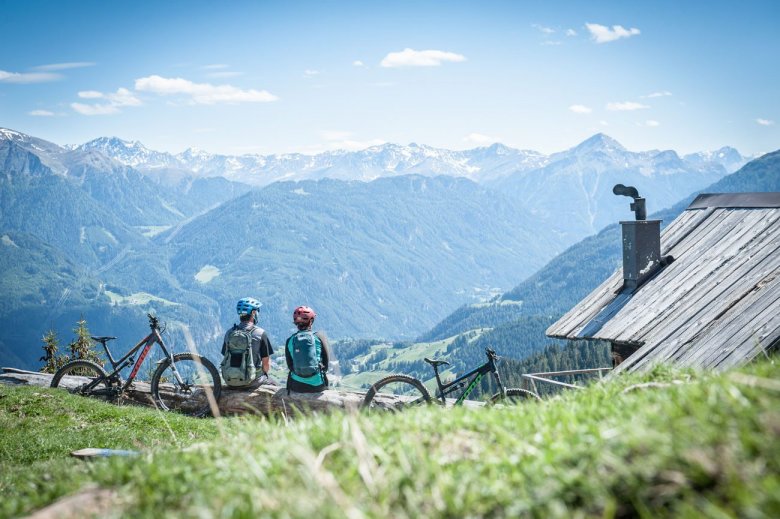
247, 304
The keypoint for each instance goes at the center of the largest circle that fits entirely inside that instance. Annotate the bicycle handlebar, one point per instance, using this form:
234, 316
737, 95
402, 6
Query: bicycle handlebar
154, 323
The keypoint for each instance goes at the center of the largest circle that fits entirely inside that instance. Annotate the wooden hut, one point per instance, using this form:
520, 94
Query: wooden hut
706, 294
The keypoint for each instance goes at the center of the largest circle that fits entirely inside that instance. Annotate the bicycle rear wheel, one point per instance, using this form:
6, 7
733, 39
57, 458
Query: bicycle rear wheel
76, 375
514, 396
395, 393
198, 391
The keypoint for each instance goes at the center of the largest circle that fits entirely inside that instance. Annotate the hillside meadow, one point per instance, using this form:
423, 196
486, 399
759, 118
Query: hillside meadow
667, 444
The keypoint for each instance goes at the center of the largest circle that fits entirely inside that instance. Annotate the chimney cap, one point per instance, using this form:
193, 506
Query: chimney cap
622, 190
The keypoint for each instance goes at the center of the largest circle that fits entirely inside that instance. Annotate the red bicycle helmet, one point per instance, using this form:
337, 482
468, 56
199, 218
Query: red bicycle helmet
303, 315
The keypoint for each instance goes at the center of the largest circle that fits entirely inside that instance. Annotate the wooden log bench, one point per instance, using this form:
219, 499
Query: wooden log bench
263, 399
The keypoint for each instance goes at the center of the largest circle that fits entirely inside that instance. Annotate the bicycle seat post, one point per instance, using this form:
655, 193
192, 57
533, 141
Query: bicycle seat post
103, 341
438, 381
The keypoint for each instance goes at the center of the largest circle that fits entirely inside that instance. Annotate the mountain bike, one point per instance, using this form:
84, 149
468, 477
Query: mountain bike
399, 391
183, 382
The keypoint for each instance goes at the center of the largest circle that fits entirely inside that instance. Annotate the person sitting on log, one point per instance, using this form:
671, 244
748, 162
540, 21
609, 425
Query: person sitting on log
306, 353
246, 349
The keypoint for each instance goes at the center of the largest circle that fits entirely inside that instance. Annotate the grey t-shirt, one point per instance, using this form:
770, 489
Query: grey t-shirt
261, 344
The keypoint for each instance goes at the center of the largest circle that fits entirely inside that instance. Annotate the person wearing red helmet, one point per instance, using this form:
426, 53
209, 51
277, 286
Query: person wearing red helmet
306, 353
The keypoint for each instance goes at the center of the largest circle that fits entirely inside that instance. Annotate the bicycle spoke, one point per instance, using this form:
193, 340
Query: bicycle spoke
395, 393
193, 391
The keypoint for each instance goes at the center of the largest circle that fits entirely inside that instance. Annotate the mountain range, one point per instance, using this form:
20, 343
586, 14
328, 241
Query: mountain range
566, 186
110, 230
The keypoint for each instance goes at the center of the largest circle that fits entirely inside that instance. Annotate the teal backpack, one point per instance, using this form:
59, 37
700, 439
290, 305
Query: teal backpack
306, 352
238, 365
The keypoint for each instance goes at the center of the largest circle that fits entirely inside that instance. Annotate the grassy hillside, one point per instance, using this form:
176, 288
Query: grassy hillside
688, 445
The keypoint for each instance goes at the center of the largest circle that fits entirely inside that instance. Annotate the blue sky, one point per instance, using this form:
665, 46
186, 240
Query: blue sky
275, 77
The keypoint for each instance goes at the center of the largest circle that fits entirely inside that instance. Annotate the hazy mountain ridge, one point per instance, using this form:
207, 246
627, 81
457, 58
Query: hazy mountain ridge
482, 164
378, 258
565, 189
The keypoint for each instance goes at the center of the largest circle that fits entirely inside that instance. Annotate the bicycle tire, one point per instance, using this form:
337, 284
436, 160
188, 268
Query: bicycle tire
420, 393
84, 369
514, 396
191, 398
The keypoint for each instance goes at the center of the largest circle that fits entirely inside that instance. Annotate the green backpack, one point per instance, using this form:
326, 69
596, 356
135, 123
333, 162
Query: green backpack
306, 350
238, 364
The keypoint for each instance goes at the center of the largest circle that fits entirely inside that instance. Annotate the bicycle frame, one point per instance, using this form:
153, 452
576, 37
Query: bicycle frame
146, 343
477, 373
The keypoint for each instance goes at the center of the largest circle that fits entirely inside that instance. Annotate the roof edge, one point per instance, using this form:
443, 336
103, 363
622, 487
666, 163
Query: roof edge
736, 201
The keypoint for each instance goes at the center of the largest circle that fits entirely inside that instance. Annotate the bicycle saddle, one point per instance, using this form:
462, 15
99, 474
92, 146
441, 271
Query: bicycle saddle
101, 339
435, 363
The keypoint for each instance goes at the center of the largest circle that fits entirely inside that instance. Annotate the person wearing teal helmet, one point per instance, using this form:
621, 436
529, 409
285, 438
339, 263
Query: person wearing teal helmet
248, 310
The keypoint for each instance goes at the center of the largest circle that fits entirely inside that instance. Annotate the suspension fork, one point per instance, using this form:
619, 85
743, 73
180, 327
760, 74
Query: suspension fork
499, 383
169, 357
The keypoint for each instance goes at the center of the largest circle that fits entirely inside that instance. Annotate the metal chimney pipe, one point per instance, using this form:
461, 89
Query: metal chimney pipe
641, 242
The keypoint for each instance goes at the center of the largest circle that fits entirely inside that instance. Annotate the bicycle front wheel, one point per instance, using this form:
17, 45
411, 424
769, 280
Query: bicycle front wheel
77, 376
396, 392
514, 396
196, 389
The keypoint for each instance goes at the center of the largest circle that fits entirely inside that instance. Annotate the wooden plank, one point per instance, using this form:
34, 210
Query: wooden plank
708, 300
739, 357
759, 311
714, 300
669, 292
704, 296
591, 304
578, 317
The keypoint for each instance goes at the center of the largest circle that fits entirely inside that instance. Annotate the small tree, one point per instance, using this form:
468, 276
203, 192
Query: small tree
83, 347
52, 361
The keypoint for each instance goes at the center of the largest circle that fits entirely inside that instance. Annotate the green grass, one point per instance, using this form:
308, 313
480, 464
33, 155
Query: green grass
707, 446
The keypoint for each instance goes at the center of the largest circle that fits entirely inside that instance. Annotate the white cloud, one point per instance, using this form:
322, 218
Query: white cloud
603, 123
28, 77
580, 109
420, 58
65, 66
111, 105
663, 93
603, 34
41, 113
215, 66
202, 93
124, 97
358, 63
90, 94
651, 123
765, 122
310, 73
571, 32
625, 106
98, 109
479, 139
542, 28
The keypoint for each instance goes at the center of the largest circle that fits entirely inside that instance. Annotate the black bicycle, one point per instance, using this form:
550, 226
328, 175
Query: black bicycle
183, 382
399, 391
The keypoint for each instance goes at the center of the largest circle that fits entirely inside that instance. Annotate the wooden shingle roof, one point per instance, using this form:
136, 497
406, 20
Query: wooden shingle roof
716, 306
